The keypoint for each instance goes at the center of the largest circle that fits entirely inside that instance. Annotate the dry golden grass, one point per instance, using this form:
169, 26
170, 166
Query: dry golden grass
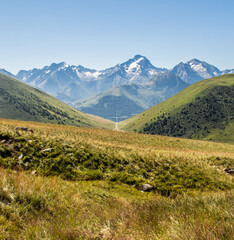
51, 208
145, 144
36, 207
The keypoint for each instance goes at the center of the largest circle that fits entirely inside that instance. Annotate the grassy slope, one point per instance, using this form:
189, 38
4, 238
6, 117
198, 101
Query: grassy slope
22, 102
39, 207
50, 208
175, 104
112, 103
170, 165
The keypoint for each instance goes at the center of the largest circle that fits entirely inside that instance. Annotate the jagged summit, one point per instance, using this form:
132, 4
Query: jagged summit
75, 82
70, 82
195, 70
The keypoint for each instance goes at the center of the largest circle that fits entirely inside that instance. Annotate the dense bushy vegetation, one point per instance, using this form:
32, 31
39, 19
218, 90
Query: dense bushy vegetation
199, 118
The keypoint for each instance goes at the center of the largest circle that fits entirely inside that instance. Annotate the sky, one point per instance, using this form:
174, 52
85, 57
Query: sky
102, 33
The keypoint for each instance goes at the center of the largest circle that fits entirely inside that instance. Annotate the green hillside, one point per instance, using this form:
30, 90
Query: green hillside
116, 103
22, 102
204, 110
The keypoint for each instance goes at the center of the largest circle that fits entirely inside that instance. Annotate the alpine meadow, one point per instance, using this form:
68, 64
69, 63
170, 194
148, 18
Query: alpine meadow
64, 182
117, 120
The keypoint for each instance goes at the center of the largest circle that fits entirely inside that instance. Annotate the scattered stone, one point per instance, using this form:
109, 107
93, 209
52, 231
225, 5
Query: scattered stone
47, 150
104, 234
34, 172
146, 187
21, 156
21, 129
25, 129
229, 171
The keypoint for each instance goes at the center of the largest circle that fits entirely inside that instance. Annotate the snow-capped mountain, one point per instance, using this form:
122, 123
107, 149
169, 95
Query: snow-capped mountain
60, 80
195, 70
135, 70
227, 71
70, 83
3, 71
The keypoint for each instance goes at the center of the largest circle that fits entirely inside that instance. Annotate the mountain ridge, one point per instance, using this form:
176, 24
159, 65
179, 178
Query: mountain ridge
121, 102
204, 110
70, 82
76, 85
135, 70
22, 102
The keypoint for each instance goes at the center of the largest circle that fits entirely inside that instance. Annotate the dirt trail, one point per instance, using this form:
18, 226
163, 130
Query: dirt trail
117, 128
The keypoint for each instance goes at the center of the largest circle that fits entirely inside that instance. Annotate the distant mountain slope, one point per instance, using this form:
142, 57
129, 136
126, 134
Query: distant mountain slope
95, 91
121, 102
22, 102
227, 71
71, 83
3, 71
195, 70
204, 110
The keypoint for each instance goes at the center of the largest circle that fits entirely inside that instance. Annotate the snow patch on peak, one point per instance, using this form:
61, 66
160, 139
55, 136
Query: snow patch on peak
64, 65
194, 61
133, 67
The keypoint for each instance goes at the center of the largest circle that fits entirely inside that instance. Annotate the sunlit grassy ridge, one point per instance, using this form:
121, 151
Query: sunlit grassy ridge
203, 110
170, 165
108, 169
22, 102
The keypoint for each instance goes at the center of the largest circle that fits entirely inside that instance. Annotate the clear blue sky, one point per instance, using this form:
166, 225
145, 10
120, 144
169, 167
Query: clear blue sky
101, 33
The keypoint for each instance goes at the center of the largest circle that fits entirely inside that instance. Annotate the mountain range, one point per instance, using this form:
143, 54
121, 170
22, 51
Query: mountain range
118, 92
72, 83
121, 102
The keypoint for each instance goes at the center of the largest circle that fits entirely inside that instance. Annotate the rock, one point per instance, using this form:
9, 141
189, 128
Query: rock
104, 234
229, 171
47, 150
34, 172
21, 156
21, 129
146, 187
